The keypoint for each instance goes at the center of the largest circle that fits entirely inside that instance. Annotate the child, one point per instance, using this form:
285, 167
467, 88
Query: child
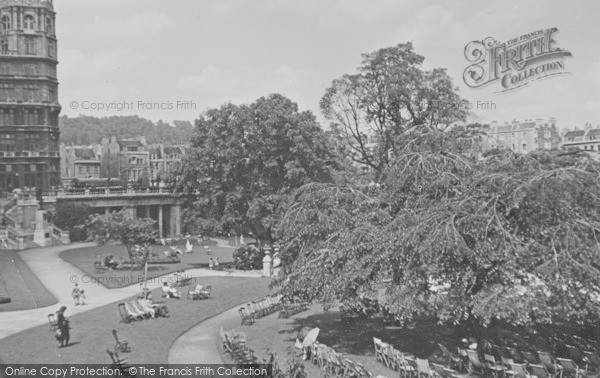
211, 263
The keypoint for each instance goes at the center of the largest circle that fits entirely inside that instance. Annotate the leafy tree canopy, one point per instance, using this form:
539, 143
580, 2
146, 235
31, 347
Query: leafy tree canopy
246, 161
134, 233
510, 237
390, 95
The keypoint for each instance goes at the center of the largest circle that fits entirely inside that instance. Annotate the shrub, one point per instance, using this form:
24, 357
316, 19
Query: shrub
248, 257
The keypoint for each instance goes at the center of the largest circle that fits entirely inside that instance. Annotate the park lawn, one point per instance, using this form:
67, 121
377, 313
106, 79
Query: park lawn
150, 339
83, 258
279, 336
19, 283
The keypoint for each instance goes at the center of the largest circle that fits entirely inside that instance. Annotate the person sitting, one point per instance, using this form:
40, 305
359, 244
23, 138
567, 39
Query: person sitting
170, 292
159, 309
110, 263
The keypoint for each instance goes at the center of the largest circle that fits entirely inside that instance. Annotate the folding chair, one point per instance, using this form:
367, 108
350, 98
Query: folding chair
492, 365
246, 317
548, 361
576, 355
379, 355
475, 364
593, 359
540, 371
121, 346
569, 368
450, 359
519, 371
530, 358
126, 317
205, 292
52, 321
423, 369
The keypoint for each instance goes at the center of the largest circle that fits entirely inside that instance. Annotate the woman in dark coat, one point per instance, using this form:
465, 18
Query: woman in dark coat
63, 326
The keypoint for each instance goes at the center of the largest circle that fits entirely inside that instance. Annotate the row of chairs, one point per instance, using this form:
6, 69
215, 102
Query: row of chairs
260, 308
335, 363
199, 292
358, 308
234, 345
410, 366
291, 309
135, 310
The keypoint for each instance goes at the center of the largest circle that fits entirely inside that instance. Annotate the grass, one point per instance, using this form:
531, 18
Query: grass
150, 339
279, 336
19, 283
83, 258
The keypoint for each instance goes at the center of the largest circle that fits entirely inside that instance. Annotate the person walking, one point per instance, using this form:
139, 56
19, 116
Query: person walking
62, 323
76, 294
217, 263
211, 263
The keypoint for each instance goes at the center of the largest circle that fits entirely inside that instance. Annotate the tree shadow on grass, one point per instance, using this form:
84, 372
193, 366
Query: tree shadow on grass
356, 336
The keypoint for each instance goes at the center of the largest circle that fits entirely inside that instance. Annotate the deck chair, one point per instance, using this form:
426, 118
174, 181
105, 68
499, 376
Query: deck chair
52, 321
475, 364
530, 358
505, 363
569, 368
515, 355
423, 369
205, 293
540, 371
492, 365
133, 311
593, 359
146, 307
362, 371
519, 371
194, 293
121, 346
548, 361
247, 318
450, 359
141, 309
119, 363
576, 355
379, 355
126, 317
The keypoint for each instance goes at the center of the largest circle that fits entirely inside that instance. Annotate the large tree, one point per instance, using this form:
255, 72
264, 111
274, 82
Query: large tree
245, 161
391, 94
135, 234
510, 237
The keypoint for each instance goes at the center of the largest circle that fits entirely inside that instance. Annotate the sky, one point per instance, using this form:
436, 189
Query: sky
171, 60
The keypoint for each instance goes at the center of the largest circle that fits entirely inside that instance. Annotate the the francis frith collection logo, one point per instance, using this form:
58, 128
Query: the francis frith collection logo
515, 63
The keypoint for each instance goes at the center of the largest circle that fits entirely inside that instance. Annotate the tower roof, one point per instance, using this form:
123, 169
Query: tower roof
27, 3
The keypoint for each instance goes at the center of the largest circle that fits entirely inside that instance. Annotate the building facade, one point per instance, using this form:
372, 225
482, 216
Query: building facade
586, 139
79, 163
524, 137
29, 108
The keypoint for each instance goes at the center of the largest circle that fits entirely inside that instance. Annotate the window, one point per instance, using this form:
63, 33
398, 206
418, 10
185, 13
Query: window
4, 69
29, 22
49, 25
4, 46
5, 21
30, 70
524, 146
79, 169
51, 49
32, 168
30, 45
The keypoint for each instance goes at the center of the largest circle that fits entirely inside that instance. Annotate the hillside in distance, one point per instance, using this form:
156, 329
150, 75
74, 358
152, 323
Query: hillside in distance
86, 130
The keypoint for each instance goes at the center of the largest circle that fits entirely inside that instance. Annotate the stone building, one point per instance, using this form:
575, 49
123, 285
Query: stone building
79, 162
524, 137
29, 108
127, 160
586, 139
163, 162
